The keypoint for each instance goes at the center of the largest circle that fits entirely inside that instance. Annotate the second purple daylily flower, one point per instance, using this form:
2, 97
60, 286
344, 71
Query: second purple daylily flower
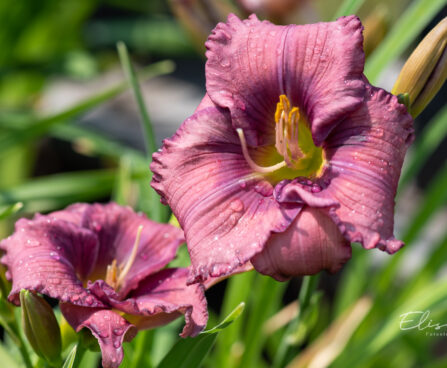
291, 155
105, 264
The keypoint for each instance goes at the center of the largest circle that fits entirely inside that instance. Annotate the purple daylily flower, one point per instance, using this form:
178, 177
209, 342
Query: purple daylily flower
105, 264
291, 155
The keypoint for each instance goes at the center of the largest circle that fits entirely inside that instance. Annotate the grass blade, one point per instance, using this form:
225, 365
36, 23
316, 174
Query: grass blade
265, 297
407, 27
429, 140
238, 289
435, 198
56, 191
37, 128
69, 362
348, 7
190, 352
149, 136
123, 185
8, 211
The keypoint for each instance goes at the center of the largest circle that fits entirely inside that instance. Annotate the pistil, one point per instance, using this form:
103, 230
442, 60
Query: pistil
251, 163
116, 274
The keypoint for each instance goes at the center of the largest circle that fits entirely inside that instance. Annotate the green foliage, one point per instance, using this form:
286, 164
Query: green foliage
190, 352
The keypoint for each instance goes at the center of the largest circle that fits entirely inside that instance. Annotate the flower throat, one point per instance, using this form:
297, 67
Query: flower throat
294, 143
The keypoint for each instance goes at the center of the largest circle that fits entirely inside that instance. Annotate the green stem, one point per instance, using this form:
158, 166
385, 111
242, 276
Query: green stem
308, 286
24, 353
142, 346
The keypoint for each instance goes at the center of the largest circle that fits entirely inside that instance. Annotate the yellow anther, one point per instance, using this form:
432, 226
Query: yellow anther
111, 275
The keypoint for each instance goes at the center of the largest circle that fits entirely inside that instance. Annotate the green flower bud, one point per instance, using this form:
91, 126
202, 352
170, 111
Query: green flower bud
376, 26
41, 327
425, 70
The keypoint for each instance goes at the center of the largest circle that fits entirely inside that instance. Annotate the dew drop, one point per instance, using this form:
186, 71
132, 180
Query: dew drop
103, 334
237, 205
225, 63
118, 331
32, 243
264, 188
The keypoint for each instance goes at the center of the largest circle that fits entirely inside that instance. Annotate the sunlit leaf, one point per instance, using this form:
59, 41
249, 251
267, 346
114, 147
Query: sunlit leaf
7, 211
405, 30
69, 361
190, 352
348, 7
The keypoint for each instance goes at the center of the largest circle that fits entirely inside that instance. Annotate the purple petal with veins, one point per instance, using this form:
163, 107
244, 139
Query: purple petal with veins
314, 135
107, 326
318, 66
204, 177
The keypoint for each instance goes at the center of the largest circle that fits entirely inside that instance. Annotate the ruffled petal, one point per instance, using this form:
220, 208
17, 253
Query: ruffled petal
311, 244
226, 210
318, 66
116, 227
159, 299
365, 155
108, 327
49, 255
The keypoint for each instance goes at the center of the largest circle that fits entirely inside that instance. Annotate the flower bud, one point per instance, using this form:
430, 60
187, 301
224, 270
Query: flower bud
425, 70
375, 29
41, 327
274, 10
199, 17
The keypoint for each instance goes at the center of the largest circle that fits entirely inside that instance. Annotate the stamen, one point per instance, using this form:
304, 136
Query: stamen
253, 164
111, 274
131, 259
287, 131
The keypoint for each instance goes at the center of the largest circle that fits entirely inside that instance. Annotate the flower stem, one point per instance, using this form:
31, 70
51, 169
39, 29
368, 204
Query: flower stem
24, 353
308, 286
143, 344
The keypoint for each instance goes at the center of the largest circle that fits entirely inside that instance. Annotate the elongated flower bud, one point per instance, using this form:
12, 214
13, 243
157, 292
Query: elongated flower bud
199, 17
41, 327
425, 70
375, 29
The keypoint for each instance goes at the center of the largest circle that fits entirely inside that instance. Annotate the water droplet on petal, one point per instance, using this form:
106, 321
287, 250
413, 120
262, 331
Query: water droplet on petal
32, 243
237, 205
225, 62
104, 334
